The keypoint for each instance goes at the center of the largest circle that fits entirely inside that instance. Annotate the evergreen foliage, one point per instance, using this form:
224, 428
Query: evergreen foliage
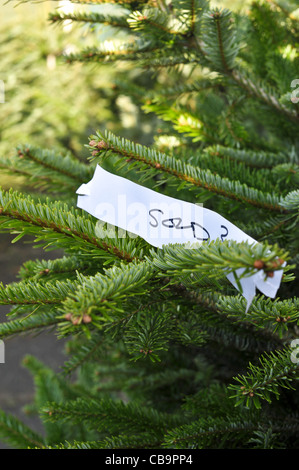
161, 353
40, 96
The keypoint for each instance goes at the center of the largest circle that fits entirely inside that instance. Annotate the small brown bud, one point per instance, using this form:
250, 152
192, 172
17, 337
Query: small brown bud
68, 316
75, 321
258, 264
94, 153
275, 264
86, 318
102, 144
270, 274
92, 143
45, 271
158, 165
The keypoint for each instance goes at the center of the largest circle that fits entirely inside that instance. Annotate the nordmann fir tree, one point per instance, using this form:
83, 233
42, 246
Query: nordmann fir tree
163, 351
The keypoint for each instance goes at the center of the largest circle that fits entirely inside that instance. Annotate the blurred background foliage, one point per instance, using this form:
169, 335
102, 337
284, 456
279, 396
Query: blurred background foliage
49, 103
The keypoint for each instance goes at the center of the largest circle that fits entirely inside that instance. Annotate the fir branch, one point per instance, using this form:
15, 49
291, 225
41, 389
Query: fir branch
149, 56
47, 169
190, 13
111, 51
178, 89
101, 297
276, 371
86, 445
255, 159
107, 144
220, 41
274, 315
272, 228
193, 16
175, 58
227, 256
89, 17
206, 432
31, 323
183, 121
110, 414
143, 440
32, 293
62, 226
50, 387
220, 48
17, 434
226, 322
291, 201
52, 269
287, 9
7, 165
87, 352
257, 89
236, 169
163, 378
155, 22
56, 162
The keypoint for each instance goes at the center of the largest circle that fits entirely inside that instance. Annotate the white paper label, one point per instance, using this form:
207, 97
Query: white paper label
161, 220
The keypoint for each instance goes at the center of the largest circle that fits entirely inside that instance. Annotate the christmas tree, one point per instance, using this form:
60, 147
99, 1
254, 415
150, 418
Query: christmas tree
165, 348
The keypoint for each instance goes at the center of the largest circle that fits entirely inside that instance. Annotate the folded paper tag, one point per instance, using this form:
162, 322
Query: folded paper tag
162, 220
